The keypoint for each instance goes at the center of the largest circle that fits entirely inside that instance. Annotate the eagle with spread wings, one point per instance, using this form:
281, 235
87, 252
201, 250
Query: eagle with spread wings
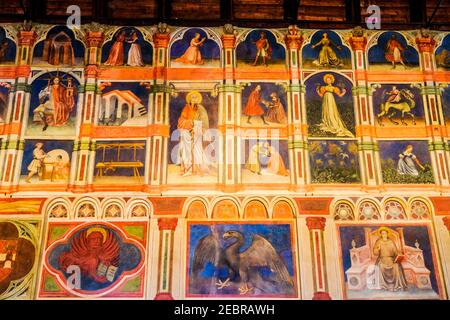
242, 267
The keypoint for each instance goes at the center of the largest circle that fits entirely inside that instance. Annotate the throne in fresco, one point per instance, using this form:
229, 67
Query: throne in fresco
363, 272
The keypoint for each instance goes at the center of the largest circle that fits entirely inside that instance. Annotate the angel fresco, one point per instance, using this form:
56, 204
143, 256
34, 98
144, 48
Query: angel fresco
96, 251
258, 268
102, 255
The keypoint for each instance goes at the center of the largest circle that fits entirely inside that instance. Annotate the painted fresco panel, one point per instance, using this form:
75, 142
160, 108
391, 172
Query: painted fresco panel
255, 260
389, 262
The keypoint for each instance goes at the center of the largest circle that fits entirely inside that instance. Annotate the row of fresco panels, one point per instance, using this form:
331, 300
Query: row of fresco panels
54, 106
263, 161
196, 47
256, 259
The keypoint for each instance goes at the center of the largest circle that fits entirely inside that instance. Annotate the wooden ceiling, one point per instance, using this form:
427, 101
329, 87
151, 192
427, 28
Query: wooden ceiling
398, 14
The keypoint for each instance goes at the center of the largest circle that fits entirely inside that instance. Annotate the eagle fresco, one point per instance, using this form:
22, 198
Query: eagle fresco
258, 268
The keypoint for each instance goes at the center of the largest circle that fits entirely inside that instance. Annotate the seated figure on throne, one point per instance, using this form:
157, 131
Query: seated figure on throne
385, 263
391, 274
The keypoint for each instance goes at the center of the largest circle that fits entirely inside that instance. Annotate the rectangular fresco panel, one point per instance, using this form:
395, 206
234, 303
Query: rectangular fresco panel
334, 161
388, 262
244, 260
265, 160
119, 161
192, 156
46, 161
405, 162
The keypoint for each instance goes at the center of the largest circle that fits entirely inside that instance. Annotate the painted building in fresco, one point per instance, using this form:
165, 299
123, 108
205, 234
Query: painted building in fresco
164, 162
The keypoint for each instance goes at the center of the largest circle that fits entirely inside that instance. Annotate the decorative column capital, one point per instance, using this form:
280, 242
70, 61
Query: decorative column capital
293, 41
167, 223
425, 44
161, 40
91, 71
27, 38
446, 221
228, 41
358, 42
316, 223
94, 39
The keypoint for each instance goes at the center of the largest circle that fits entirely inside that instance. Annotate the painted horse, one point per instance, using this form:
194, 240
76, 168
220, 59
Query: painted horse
390, 109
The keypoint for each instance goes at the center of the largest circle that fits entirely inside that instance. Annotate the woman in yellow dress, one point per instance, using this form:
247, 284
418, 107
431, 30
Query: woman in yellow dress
327, 56
331, 118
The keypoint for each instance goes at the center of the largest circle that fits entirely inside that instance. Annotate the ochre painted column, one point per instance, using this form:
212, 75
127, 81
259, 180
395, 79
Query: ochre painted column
316, 226
297, 127
229, 118
25, 47
158, 114
166, 235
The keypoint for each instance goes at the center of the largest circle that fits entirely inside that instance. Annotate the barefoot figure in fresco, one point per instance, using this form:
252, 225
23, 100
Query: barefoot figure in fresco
407, 163
393, 51
331, 118
263, 49
327, 56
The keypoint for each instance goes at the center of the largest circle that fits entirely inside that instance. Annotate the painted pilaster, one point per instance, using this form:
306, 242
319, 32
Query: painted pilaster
94, 42
297, 140
165, 256
316, 226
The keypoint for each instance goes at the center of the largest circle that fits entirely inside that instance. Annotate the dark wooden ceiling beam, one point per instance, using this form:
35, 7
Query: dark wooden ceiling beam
164, 10
418, 11
226, 10
290, 10
353, 11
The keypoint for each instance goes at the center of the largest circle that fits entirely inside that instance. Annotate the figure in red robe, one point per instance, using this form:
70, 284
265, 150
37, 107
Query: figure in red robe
253, 107
60, 103
263, 49
393, 52
116, 55
96, 251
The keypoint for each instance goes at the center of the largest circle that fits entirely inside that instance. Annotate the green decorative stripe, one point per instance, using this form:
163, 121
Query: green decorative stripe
364, 146
91, 87
433, 146
298, 144
80, 88
229, 88
431, 90
156, 88
4, 145
165, 261
23, 87
361, 90
296, 88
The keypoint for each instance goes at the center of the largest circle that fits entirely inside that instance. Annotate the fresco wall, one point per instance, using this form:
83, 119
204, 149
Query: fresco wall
163, 162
